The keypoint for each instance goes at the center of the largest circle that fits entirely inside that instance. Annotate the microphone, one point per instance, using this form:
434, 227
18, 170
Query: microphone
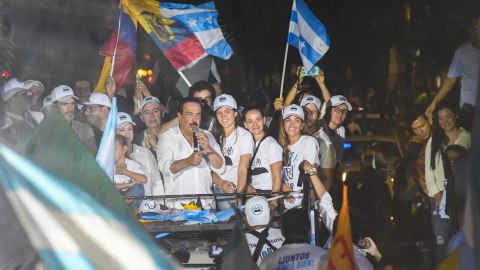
196, 146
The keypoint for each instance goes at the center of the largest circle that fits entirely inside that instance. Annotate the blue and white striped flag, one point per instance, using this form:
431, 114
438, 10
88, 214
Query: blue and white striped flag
202, 21
308, 34
106, 152
67, 227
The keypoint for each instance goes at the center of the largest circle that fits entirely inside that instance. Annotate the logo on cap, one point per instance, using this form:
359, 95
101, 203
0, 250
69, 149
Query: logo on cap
309, 99
148, 98
48, 99
222, 99
342, 99
66, 89
257, 209
293, 108
123, 117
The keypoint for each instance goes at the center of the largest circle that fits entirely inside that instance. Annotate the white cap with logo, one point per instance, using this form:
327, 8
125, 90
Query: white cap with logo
338, 100
149, 99
12, 87
123, 119
47, 102
224, 100
293, 110
311, 100
62, 93
98, 99
257, 211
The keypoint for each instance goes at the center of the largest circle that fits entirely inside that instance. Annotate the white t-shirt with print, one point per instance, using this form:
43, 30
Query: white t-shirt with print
295, 256
304, 149
239, 143
131, 166
269, 152
274, 236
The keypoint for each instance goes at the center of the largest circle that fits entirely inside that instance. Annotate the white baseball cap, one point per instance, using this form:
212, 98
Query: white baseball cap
123, 119
149, 99
338, 100
98, 98
47, 102
311, 100
257, 211
62, 93
37, 83
224, 100
14, 86
293, 110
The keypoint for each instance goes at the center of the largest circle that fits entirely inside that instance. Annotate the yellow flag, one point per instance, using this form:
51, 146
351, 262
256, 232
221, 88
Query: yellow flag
107, 65
341, 254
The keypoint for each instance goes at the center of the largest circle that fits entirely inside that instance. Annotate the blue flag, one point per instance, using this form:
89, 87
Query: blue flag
308, 35
67, 227
106, 152
202, 21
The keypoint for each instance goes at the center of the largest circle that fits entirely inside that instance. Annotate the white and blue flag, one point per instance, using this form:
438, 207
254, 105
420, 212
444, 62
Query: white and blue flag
106, 152
69, 228
308, 34
202, 21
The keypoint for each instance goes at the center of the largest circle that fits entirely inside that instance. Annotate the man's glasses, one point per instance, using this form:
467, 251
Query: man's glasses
90, 109
338, 110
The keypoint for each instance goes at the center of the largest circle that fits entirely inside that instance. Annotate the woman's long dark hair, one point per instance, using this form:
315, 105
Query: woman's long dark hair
219, 133
439, 138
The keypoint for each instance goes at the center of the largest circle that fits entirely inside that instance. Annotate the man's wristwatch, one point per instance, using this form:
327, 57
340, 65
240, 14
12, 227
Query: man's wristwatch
312, 170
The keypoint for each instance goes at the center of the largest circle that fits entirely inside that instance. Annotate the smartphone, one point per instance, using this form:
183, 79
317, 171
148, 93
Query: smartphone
215, 251
363, 244
304, 72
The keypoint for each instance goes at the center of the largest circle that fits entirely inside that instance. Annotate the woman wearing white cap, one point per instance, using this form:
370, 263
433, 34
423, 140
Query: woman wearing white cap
297, 146
266, 162
141, 155
237, 147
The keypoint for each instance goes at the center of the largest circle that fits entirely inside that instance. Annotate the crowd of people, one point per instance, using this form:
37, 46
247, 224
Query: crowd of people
212, 145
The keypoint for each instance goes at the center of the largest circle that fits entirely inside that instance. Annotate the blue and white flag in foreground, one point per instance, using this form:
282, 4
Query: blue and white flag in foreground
202, 21
106, 152
67, 227
308, 34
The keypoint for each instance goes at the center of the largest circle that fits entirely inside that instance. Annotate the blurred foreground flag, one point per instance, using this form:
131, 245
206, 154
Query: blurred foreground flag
308, 34
124, 40
67, 227
202, 21
106, 151
341, 254
177, 42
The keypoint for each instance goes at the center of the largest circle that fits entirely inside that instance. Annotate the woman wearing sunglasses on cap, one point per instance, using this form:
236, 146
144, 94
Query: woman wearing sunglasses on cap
266, 162
297, 146
141, 155
237, 147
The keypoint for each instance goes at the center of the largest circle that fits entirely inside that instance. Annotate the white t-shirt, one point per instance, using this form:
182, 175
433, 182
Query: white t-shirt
295, 256
304, 149
131, 166
274, 236
268, 153
239, 143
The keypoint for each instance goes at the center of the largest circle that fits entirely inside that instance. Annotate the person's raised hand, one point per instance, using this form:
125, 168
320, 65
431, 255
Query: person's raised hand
110, 87
279, 105
320, 78
195, 158
299, 75
372, 250
227, 186
202, 139
140, 86
137, 99
430, 109
288, 198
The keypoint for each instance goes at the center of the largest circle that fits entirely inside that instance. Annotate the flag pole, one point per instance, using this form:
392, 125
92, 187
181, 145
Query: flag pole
184, 78
116, 44
283, 73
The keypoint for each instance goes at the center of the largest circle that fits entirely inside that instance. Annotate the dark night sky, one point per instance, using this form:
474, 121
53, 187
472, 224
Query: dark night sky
63, 37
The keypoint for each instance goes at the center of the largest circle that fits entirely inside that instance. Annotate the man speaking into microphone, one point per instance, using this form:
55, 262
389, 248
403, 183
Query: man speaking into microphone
185, 170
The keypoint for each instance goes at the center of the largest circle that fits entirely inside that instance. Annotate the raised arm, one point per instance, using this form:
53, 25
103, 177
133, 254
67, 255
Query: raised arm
444, 90
293, 92
320, 78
